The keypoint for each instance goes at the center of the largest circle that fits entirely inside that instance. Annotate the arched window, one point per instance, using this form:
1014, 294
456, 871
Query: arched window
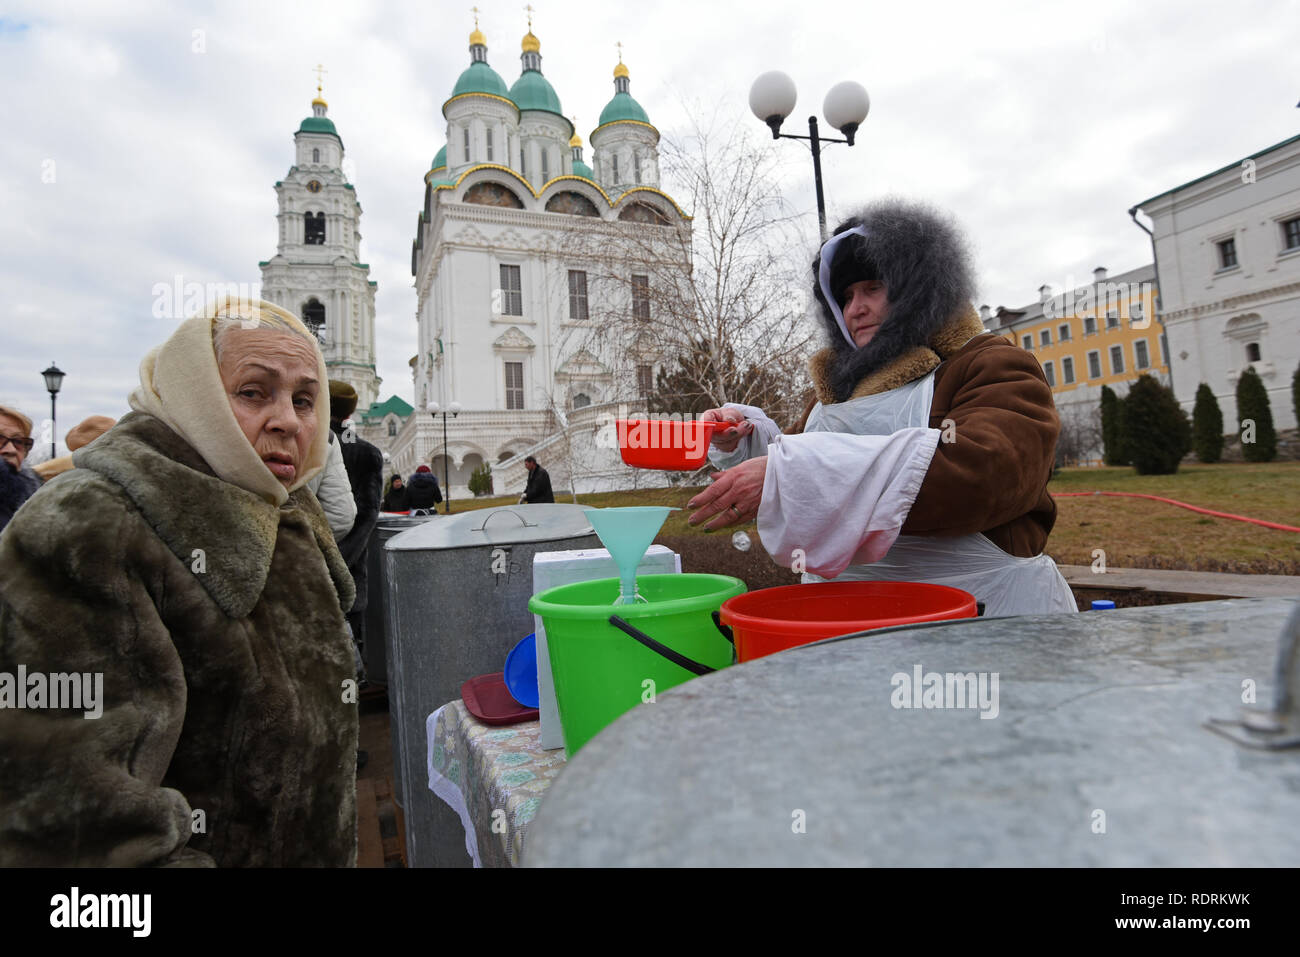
615, 159
392, 426
313, 316
636, 166
314, 229
315, 156
1252, 352
546, 166
581, 400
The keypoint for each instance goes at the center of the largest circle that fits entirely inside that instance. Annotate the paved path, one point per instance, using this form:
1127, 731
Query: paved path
1208, 584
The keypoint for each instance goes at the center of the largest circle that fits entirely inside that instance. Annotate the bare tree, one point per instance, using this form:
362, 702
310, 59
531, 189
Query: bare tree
718, 302
1080, 438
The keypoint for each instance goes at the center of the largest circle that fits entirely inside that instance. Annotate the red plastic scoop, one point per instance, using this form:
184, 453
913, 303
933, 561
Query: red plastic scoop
665, 443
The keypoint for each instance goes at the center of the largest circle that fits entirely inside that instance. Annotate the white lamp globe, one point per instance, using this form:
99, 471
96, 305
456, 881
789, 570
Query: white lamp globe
772, 97
454, 408
432, 407
846, 106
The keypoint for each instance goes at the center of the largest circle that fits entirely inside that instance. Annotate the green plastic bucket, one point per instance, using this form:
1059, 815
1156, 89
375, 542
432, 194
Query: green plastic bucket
601, 671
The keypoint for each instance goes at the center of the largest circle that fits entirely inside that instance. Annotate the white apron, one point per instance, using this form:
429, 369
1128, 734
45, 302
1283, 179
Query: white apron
1005, 584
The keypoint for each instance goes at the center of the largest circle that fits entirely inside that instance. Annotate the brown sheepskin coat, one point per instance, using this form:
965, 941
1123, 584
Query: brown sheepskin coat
228, 734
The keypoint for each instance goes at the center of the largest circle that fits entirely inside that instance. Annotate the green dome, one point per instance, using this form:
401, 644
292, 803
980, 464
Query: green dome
440, 160
480, 78
319, 124
532, 91
622, 107
582, 169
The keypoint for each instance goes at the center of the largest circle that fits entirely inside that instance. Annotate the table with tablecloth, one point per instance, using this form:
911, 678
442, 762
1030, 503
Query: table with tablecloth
494, 777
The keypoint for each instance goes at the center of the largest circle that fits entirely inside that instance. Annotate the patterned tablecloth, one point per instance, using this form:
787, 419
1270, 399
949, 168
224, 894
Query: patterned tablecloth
493, 777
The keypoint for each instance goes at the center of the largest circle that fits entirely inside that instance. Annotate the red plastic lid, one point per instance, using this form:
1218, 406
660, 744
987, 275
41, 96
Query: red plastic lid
489, 700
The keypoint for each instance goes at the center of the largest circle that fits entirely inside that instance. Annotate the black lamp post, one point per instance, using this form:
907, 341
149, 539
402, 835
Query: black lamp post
54, 382
454, 409
772, 98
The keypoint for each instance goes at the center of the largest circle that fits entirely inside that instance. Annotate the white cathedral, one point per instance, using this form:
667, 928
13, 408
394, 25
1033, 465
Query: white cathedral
535, 276
528, 317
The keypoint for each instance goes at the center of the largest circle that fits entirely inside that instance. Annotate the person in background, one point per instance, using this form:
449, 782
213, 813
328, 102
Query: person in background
184, 574
538, 488
18, 482
395, 496
333, 489
422, 489
78, 437
365, 468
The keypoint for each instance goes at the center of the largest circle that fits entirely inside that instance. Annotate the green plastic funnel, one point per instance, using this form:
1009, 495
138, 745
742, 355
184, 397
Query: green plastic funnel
627, 533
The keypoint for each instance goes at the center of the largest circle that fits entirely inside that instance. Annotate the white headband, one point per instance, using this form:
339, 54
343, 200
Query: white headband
824, 276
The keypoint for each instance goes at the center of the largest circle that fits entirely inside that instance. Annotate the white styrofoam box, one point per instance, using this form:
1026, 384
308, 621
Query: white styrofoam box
551, 569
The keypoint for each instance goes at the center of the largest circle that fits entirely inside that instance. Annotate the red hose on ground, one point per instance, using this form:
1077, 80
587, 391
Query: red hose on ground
1193, 508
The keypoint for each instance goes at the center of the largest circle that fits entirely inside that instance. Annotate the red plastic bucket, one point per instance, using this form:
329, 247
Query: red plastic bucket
769, 620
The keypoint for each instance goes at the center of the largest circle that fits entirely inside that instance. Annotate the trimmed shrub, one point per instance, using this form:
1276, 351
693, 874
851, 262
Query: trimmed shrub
1207, 425
1112, 426
480, 480
1255, 419
1157, 433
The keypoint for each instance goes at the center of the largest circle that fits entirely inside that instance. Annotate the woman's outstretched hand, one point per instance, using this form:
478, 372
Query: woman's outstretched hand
733, 498
726, 440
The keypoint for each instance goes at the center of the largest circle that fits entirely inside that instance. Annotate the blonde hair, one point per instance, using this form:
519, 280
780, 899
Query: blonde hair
24, 422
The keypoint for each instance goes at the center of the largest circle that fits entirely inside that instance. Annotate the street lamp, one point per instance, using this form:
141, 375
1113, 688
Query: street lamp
454, 409
54, 382
772, 98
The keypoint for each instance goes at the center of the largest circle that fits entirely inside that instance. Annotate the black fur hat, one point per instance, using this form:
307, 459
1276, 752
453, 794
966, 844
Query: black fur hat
924, 260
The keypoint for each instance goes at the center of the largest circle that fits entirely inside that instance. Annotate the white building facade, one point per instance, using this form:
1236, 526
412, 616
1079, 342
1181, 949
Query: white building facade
1227, 249
528, 317
315, 272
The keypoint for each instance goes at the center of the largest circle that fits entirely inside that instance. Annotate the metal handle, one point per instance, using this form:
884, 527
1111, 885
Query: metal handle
694, 667
523, 521
1277, 728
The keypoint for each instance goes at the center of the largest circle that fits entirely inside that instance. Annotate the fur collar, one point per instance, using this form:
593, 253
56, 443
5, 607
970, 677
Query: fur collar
908, 367
189, 508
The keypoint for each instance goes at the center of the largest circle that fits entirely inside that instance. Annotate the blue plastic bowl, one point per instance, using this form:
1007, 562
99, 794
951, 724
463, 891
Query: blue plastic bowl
521, 672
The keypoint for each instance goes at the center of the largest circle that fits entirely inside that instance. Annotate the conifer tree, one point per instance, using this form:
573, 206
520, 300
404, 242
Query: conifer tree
1112, 439
1207, 425
1255, 419
1156, 432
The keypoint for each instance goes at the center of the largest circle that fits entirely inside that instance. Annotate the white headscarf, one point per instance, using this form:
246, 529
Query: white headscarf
180, 383
824, 276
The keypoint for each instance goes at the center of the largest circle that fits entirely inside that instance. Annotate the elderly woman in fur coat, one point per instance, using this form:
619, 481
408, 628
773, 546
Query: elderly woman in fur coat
926, 451
186, 575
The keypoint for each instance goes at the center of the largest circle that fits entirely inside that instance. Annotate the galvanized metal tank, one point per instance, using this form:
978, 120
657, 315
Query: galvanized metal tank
1098, 750
458, 602
377, 637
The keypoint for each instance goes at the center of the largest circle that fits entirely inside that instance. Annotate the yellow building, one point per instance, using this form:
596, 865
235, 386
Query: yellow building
1101, 333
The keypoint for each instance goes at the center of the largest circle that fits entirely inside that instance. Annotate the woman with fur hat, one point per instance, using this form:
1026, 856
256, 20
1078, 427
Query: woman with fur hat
183, 565
926, 451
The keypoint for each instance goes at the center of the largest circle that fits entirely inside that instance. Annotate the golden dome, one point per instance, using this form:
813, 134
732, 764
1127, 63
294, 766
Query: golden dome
620, 70
575, 140
531, 44
476, 39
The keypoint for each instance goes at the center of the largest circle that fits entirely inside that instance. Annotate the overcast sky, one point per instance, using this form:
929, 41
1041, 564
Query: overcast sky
1037, 124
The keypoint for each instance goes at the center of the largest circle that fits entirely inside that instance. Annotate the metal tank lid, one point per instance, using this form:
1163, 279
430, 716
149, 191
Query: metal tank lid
1098, 750
503, 525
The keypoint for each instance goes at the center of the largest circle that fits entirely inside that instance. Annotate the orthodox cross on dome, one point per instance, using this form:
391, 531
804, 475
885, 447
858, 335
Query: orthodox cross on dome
318, 105
529, 8
474, 10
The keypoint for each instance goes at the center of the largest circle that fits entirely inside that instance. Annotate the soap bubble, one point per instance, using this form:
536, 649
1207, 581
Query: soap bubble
740, 541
